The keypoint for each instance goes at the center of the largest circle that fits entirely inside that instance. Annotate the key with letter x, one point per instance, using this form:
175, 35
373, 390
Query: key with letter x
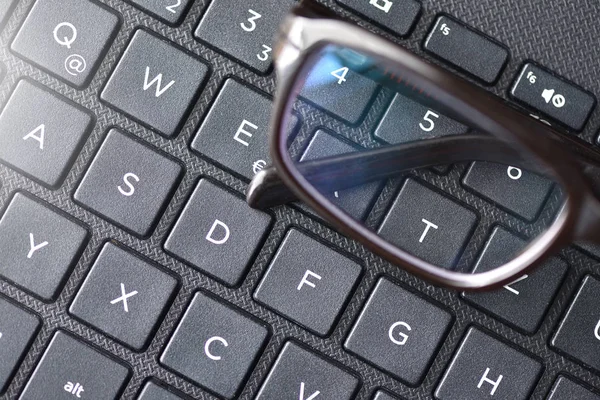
124, 296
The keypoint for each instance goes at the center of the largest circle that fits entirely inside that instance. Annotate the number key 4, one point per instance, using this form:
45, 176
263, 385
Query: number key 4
337, 89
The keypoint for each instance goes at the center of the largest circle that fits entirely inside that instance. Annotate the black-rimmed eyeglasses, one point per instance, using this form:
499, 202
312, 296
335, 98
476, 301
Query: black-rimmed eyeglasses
327, 66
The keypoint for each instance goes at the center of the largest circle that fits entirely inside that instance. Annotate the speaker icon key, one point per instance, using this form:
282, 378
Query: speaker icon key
558, 100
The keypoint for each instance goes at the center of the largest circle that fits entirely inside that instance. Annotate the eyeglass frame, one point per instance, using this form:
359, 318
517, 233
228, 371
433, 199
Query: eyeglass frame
310, 27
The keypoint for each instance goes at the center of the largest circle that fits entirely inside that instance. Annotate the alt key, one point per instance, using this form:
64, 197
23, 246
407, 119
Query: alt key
553, 96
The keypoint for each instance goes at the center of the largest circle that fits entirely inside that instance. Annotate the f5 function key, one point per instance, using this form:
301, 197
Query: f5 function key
553, 96
467, 49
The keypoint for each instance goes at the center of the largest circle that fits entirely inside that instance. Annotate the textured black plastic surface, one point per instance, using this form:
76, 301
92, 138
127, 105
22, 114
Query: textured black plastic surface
560, 35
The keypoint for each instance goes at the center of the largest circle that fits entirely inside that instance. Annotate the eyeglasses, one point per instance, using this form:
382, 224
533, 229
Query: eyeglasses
334, 76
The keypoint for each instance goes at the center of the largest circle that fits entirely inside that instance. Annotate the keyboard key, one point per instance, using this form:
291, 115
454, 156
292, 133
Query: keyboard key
301, 374
520, 192
235, 131
169, 11
68, 38
356, 201
124, 296
428, 225
215, 346
337, 89
399, 332
566, 389
218, 233
466, 49
398, 16
244, 29
403, 117
308, 282
34, 257
129, 183
524, 302
485, 368
579, 332
383, 396
155, 83
70, 369
152, 391
17, 329
42, 133
553, 96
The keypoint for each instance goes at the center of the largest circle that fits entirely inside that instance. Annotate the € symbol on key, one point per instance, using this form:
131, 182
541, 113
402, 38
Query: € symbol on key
65, 28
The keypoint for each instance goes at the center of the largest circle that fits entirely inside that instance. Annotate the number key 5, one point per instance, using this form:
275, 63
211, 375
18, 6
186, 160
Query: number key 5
250, 27
404, 115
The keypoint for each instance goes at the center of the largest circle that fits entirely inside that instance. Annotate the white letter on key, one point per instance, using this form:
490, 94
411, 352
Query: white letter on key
429, 225
494, 384
305, 279
241, 130
225, 237
34, 248
40, 139
312, 396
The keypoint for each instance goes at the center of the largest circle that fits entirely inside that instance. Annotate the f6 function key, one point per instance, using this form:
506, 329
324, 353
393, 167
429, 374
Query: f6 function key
553, 96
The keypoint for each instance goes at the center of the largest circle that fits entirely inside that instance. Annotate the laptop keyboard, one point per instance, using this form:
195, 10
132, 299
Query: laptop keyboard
131, 266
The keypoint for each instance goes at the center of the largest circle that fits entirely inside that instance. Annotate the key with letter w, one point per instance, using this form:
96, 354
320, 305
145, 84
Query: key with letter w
158, 81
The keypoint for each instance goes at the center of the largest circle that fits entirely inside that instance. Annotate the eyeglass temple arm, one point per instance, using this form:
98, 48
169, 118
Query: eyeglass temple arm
353, 169
348, 170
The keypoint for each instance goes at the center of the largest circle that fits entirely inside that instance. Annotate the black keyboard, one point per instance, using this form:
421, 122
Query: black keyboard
131, 266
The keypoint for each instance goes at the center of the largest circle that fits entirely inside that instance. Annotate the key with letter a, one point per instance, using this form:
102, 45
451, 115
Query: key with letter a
34, 137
